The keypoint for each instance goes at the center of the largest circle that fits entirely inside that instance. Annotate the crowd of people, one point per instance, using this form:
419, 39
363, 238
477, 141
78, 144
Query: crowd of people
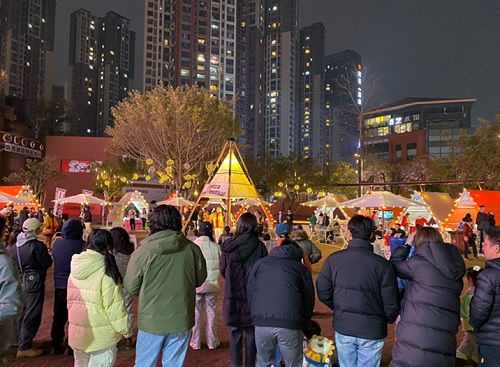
268, 296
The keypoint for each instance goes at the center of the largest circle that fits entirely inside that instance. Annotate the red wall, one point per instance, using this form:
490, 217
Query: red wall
73, 147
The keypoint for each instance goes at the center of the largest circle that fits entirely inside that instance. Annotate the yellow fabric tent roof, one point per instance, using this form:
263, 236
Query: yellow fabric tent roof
237, 183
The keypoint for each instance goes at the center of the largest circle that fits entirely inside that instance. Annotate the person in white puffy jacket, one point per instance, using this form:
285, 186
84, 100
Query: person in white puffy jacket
207, 294
96, 310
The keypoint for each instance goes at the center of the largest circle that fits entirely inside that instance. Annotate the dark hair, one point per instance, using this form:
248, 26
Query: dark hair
11, 241
247, 223
312, 328
227, 229
3, 222
100, 240
289, 242
361, 227
260, 230
121, 241
266, 237
164, 217
206, 230
472, 273
426, 234
494, 234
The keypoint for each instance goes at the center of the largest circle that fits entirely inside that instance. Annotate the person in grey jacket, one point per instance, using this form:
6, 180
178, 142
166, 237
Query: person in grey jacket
300, 236
11, 298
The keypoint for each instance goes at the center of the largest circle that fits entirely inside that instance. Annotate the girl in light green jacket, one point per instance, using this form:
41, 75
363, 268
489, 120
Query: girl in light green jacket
96, 309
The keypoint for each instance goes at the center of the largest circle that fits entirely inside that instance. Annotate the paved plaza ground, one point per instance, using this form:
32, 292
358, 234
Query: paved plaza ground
203, 357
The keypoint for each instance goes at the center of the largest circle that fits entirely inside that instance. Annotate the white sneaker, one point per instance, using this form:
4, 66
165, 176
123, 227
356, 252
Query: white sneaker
215, 345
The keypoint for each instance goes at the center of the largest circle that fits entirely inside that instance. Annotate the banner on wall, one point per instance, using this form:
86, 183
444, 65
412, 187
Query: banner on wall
77, 166
58, 208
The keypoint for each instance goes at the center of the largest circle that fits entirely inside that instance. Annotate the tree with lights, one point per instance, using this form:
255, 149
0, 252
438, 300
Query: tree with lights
176, 132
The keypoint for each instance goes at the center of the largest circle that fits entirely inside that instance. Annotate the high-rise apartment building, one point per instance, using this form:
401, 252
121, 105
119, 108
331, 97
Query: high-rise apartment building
249, 79
101, 57
26, 49
281, 75
191, 42
83, 62
311, 95
343, 100
246, 49
116, 51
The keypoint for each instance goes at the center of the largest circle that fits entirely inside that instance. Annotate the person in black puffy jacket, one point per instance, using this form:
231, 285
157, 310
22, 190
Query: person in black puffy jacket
361, 289
238, 255
62, 252
280, 320
430, 312
485, 304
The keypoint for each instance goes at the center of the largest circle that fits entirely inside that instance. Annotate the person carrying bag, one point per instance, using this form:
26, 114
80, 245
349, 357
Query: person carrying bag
33, 259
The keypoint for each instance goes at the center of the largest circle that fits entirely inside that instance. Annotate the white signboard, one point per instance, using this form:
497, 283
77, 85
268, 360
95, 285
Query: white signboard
215, 190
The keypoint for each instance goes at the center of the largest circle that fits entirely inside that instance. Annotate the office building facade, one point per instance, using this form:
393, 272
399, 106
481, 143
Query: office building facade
415, 128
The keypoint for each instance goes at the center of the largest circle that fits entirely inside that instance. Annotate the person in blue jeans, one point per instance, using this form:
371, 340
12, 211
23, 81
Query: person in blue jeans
280, 322
361, 289
164, 272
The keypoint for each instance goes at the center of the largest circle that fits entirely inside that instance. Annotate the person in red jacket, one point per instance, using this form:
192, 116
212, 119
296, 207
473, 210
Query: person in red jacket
421, 221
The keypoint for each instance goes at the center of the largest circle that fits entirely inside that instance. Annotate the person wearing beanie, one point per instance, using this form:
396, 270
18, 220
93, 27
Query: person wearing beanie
33, 259
72, 243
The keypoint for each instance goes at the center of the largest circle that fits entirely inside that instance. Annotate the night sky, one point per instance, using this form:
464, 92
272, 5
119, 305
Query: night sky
418, 48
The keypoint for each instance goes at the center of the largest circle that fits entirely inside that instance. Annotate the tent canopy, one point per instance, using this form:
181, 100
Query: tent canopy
439, 205
331, 205
135, 198
234, 184
21, 191
380, 199
469, 202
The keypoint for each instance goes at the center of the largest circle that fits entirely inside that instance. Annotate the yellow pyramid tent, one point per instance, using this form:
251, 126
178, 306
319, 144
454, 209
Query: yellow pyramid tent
230, 179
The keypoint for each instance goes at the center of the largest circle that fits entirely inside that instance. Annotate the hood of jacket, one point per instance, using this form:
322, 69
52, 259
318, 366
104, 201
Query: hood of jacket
245, 244
72, 230
85, 264
287, 252
444, 257
25, 237
166, 242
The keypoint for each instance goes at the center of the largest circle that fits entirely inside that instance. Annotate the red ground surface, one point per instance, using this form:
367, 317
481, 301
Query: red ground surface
203, 357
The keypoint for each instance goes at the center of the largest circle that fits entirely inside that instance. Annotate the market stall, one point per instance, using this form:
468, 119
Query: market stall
469, 202
437, 206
